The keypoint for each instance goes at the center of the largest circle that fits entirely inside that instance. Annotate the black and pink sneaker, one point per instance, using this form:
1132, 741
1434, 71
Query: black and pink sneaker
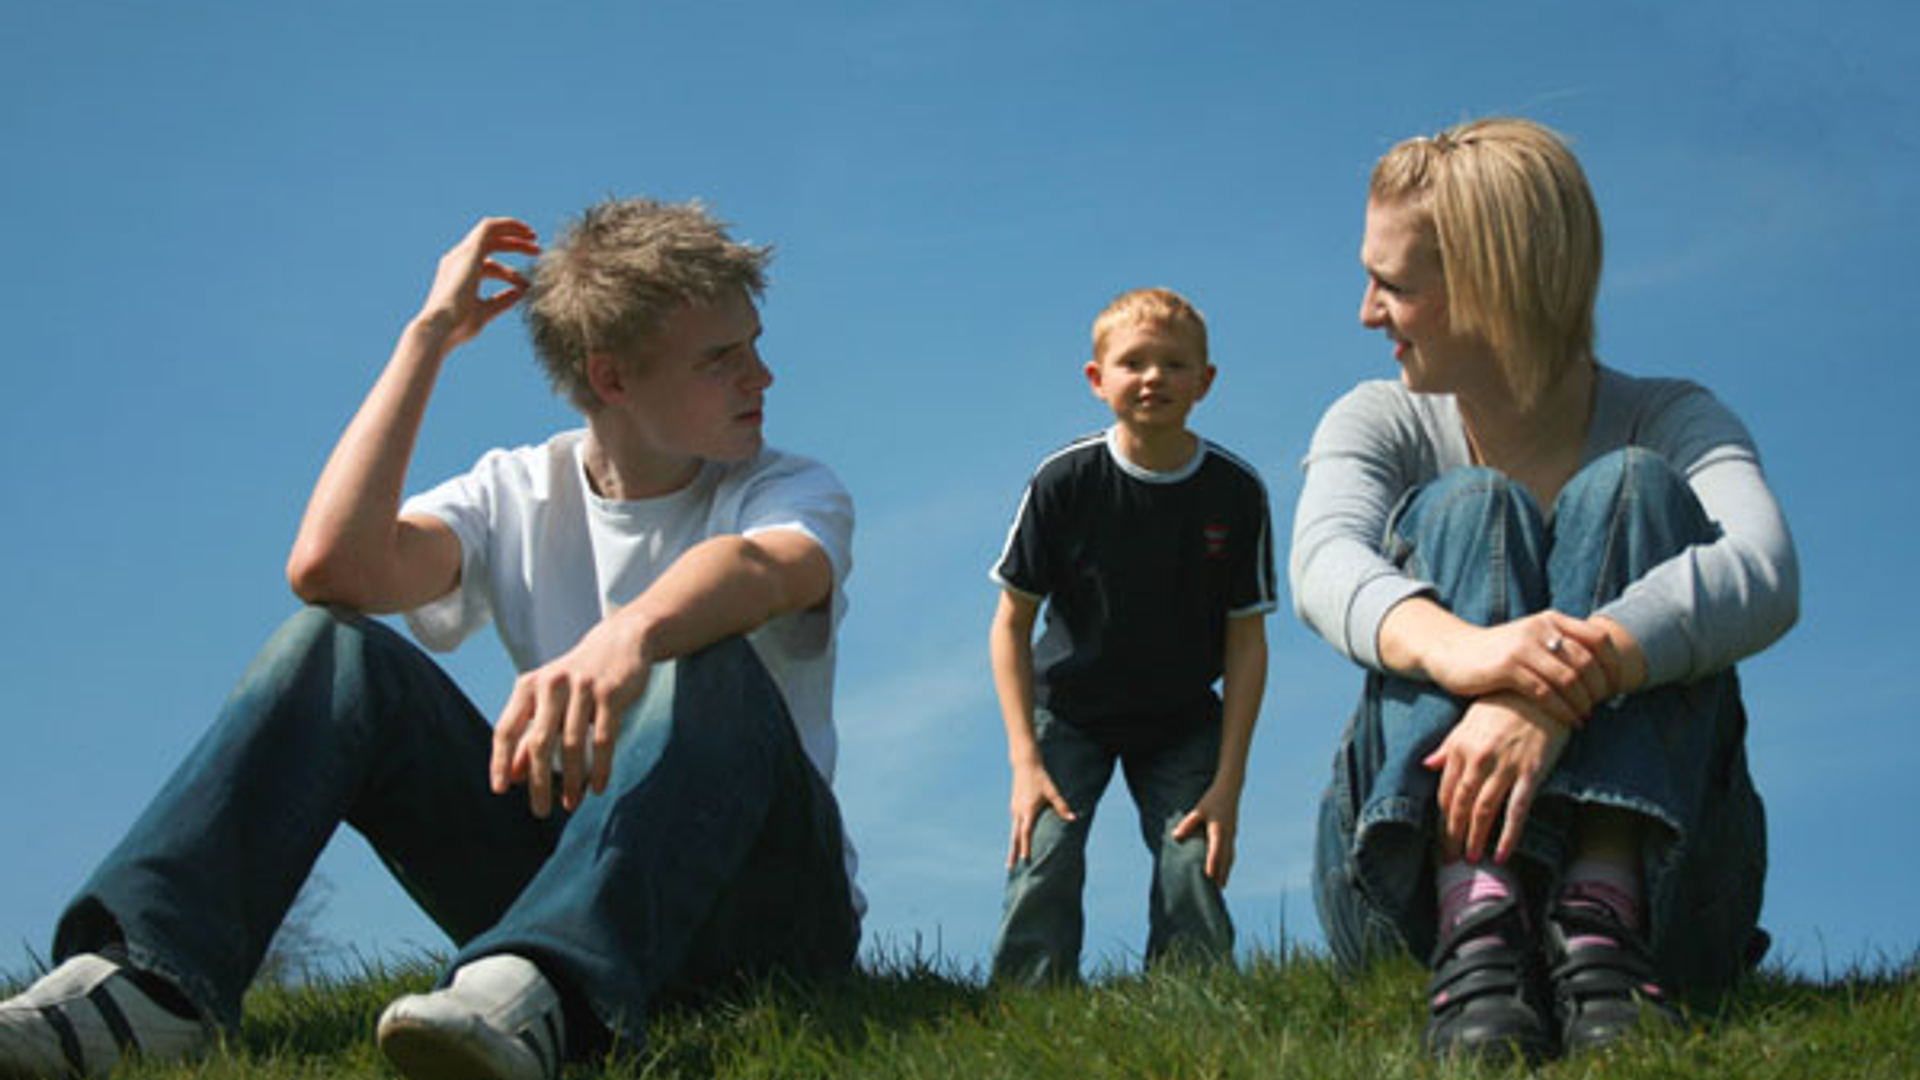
1604, 985
1485, 994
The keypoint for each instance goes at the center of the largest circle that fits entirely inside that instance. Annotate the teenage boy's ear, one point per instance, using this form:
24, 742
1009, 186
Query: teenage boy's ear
607, 375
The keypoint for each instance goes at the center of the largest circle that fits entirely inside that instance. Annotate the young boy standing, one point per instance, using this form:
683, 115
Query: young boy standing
669, 587
1153, 551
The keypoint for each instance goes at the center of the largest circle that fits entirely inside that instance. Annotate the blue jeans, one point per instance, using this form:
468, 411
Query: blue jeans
716, 849
1041, 924
1674, 756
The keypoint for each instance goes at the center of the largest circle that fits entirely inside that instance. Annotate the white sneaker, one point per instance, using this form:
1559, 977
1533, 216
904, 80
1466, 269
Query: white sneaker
82, 1017
500, 1020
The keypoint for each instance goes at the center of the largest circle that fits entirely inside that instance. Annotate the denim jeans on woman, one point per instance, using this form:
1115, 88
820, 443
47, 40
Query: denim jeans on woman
1674, 755
715, 850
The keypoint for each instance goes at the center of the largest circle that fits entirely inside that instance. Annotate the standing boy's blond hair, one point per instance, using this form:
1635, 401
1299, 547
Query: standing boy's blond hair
1156, 305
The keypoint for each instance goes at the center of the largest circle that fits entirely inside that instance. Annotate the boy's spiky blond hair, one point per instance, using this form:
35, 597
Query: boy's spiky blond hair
615, 275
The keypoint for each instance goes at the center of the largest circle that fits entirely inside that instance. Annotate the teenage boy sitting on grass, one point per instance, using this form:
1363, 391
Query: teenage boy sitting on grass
677, 828
1154, 554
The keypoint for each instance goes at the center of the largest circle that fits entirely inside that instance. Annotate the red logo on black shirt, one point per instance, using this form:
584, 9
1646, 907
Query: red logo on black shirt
1216, 538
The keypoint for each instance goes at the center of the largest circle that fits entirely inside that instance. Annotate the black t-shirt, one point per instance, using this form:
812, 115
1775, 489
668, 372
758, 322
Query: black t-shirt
1140, 571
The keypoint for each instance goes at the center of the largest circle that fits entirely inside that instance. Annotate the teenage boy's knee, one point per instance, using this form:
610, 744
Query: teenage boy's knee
312, 627
312, 635
333, 635
727, 713
328, 631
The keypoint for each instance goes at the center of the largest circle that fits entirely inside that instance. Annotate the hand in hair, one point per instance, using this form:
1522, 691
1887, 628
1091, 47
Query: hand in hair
354, 548
1491, 765
455, 305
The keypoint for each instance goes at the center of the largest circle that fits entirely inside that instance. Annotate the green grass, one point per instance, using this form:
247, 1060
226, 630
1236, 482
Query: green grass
1286, 1015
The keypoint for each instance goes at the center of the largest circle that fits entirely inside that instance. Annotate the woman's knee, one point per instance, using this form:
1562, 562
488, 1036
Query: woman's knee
1622, 515
1466, 498
1479, 538
1632, 478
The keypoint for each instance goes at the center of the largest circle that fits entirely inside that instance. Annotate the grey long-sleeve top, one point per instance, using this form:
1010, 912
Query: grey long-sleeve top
1697, 613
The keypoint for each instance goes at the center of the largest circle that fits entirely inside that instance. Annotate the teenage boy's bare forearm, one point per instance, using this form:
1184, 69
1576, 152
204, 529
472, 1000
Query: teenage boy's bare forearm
352, 547
725, 586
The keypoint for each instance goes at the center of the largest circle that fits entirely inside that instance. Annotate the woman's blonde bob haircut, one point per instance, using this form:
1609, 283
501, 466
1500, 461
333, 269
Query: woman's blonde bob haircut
1519, 240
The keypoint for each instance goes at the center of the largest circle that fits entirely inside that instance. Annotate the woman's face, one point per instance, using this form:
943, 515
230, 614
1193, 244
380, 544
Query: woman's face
1406, 298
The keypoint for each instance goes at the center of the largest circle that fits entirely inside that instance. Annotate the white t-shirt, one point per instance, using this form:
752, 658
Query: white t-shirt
546, 559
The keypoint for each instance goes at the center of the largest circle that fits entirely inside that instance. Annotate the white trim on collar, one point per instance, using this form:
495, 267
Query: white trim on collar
1150, 476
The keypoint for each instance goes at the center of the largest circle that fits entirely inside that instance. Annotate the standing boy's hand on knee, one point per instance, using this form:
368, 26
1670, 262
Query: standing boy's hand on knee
1033, 794
1010, 642
1218, 812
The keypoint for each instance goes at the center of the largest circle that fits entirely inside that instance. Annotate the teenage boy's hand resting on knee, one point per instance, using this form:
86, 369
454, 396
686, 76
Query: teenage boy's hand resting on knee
724, 586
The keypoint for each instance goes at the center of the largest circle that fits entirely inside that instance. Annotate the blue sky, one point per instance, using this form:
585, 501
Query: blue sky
221, 214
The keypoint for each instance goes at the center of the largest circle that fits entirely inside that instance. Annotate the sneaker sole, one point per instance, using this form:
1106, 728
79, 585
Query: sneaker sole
430, 1052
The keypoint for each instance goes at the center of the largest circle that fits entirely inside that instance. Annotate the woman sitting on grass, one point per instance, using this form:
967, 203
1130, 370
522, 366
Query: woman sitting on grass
1549, 569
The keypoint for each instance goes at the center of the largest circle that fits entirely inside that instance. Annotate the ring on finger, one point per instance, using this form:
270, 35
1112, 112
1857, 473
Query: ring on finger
1556, 644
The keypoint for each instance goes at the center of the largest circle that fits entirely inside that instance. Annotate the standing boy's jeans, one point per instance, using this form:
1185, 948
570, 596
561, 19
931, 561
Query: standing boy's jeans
1673, 755
1041, 925
715, 849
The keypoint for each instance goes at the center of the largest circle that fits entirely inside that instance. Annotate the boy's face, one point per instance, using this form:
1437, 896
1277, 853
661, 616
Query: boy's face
1149, 376
698, 390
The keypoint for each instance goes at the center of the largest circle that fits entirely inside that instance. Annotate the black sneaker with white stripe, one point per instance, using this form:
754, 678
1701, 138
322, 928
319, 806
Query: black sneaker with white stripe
83, 1017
